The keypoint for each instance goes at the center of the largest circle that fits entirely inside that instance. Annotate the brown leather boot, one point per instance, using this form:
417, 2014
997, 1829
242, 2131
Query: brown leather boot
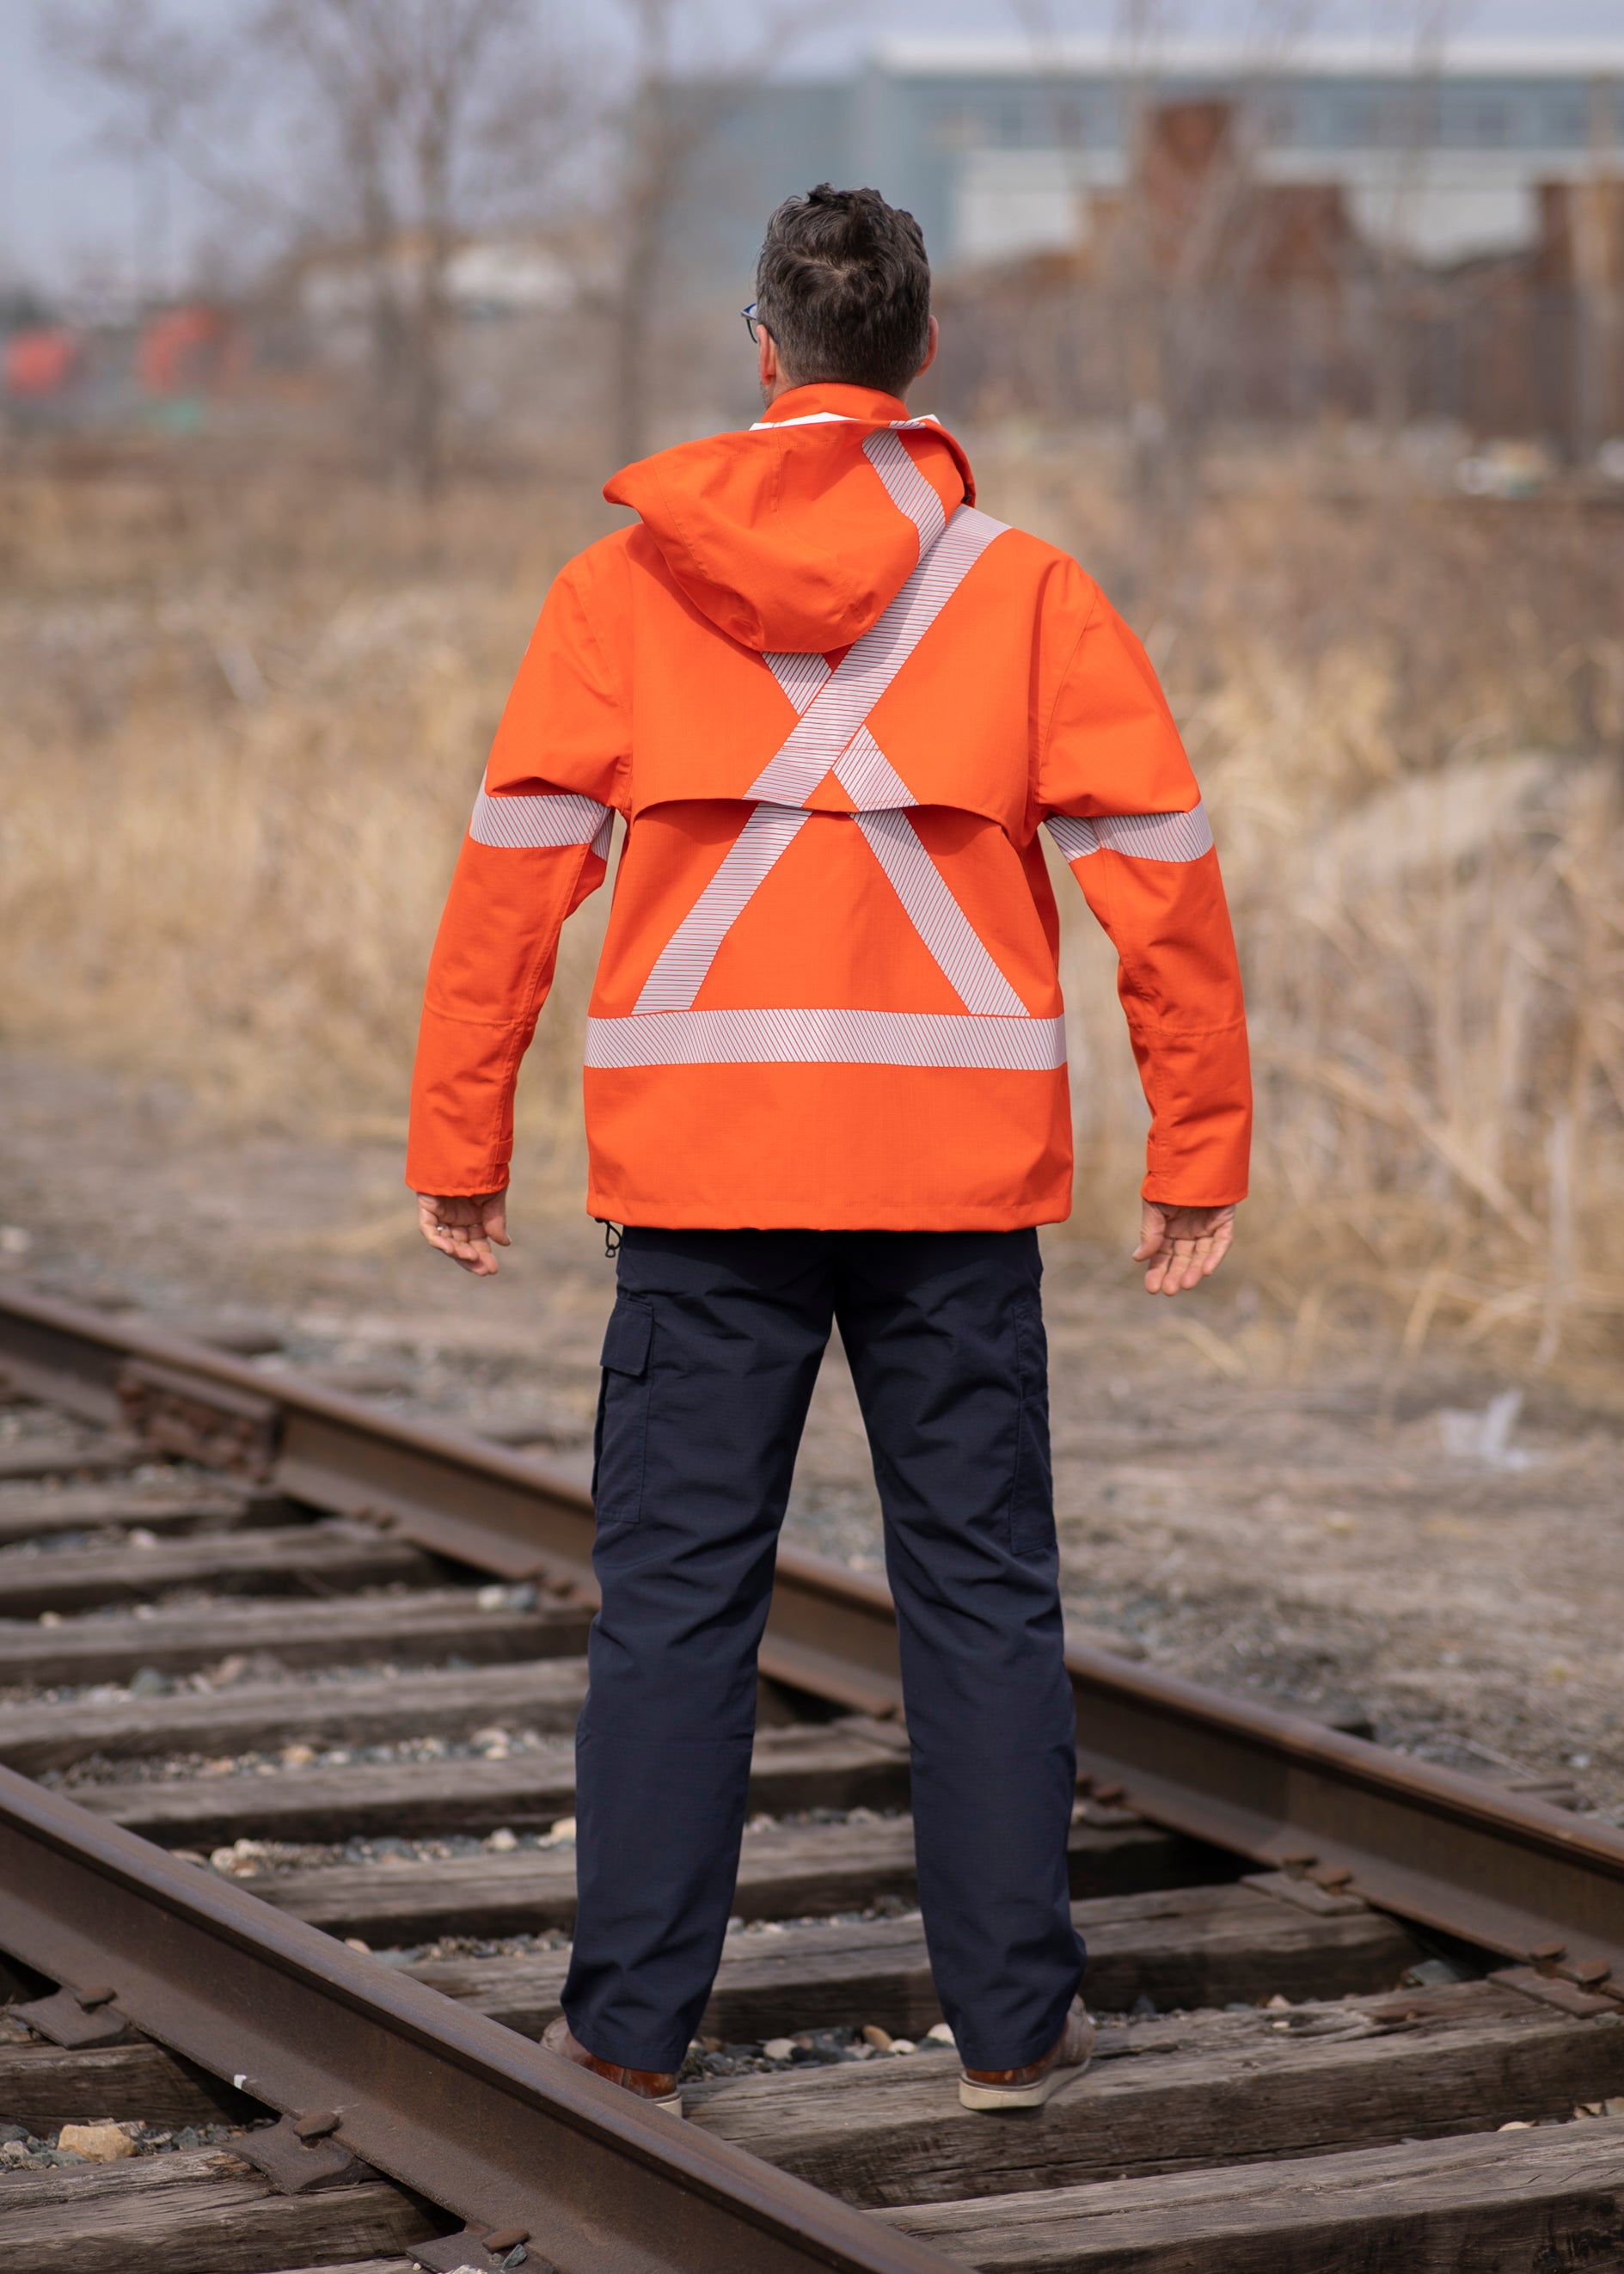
1030, 2087
655, 2084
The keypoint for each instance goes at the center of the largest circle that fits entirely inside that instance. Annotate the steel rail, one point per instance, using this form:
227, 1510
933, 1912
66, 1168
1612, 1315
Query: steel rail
1500, 1869
457, 2106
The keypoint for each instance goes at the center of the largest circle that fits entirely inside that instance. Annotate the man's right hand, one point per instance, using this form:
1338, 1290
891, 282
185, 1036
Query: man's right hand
465, 1226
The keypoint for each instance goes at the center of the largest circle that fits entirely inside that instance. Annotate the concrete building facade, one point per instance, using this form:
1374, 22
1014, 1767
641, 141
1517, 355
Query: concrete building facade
1000, 149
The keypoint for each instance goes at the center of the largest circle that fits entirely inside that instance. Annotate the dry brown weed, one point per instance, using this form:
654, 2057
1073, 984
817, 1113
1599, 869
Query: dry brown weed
248, 710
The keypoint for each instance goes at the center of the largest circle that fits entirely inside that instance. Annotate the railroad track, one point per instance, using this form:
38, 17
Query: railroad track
286, 1880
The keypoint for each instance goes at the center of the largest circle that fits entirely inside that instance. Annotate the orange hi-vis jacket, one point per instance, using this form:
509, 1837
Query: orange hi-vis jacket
834, 703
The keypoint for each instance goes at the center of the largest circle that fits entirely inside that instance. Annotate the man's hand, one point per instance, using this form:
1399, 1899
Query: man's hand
463, 1227
1181, 1245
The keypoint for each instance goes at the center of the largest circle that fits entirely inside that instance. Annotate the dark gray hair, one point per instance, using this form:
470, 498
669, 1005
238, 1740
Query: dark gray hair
844, 287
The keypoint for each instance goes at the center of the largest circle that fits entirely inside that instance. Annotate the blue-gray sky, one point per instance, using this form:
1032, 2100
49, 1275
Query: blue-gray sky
70, 214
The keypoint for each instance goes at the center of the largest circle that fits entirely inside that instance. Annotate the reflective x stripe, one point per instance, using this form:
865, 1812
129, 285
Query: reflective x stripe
847, 696
800, 676
868, 776
1147, 836
889, 1038
863, 769
688, 955
907, 488
832, 730
937, 917
554, 819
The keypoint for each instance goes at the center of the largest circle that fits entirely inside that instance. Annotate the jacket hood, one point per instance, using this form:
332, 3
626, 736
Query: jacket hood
785, 536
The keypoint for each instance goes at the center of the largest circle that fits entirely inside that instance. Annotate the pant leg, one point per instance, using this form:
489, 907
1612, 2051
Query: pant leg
709, 1362
944, 1333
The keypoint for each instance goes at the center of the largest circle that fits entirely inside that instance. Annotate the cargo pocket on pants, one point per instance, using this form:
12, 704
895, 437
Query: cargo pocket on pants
619, 1443
1032, 1495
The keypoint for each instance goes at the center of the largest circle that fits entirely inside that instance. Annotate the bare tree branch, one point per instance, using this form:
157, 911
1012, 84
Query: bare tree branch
664, 122
173, 90
380, 127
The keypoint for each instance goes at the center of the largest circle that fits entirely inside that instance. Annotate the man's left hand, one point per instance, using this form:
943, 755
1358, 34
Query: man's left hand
1181, 1247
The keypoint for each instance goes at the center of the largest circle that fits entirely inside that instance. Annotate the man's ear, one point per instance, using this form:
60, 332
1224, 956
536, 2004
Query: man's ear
932, 340
766, 358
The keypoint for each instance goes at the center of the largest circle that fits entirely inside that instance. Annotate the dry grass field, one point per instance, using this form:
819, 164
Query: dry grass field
247, 707
245, 714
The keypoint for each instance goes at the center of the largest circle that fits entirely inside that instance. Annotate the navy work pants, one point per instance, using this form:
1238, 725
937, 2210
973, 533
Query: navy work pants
709, 1363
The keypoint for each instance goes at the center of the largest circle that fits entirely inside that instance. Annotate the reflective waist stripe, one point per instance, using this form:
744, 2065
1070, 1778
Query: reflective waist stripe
554, 819
1146, 836
805, 1037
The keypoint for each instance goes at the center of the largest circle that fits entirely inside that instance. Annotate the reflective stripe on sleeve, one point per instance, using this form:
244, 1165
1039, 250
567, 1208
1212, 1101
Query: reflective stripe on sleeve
806, 1037
518, 824
1146, 836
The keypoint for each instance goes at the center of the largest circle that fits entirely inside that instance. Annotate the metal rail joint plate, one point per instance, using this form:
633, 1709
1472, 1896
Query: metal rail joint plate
457, 2106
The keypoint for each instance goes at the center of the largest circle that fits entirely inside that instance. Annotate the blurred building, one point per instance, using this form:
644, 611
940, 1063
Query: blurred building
1002, 150
1227, 236
522, 272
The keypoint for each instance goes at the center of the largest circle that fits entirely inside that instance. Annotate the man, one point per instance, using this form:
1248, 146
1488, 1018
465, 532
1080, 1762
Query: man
825, 1082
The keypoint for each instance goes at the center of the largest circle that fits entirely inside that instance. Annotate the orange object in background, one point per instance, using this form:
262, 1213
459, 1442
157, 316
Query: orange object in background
188, 350
39, 365
834, 703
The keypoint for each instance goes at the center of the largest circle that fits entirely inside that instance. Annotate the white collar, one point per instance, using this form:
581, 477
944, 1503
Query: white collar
839, 418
